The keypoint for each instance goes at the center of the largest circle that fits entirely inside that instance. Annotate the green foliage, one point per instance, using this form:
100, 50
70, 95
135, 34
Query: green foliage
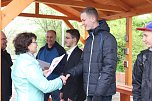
40, 26
118, 30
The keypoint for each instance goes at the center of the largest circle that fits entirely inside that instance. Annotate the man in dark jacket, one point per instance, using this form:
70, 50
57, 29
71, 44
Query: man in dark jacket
6, 70
73, 90
142, 71
47, 53
98, 60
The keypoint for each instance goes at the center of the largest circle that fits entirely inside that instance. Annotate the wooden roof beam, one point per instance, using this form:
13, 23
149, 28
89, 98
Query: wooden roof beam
101, 13
4, 3
68, 24
60, 10
142, 10
12, 10
71, 10
92, 3
36, 8
121, 4
82, 5
65, 10
5, 0
150, 1
49, 16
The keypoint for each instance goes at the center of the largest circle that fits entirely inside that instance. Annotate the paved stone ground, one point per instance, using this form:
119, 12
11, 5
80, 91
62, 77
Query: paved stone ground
116, 97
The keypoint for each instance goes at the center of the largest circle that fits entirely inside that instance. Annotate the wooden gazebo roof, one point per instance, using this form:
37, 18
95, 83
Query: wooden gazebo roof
107, 9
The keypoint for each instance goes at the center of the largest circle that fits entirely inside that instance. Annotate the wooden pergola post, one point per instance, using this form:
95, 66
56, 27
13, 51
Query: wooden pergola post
128, 70
128, 61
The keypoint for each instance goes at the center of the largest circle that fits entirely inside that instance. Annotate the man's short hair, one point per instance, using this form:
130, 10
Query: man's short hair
50, 31
91, 11
74, 33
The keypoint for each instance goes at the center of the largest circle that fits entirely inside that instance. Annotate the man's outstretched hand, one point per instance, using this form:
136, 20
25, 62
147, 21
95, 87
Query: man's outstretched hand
67, 76
64, 78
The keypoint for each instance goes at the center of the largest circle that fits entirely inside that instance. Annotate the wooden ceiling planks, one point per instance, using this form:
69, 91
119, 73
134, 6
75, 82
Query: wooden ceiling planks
82, 4
107, 9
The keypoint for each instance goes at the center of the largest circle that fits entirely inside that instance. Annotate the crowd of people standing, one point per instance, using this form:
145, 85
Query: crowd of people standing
89, 74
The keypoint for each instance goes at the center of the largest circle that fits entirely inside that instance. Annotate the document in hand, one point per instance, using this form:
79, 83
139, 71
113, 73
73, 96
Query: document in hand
54, 63
43, 64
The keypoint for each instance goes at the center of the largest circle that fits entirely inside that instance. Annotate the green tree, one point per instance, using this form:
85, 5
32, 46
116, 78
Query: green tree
118, 29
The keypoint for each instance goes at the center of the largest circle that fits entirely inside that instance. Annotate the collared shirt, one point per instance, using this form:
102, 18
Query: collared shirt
70, 51
32, 55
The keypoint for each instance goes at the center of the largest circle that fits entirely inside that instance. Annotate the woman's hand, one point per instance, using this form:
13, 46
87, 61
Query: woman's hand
45, 72
45, 68
69, 99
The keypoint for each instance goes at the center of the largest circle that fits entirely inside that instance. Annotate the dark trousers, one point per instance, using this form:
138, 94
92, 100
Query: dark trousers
99, 98
55, 96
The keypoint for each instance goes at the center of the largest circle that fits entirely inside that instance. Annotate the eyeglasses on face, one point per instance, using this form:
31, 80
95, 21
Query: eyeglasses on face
69, 37
3, 38
34, 42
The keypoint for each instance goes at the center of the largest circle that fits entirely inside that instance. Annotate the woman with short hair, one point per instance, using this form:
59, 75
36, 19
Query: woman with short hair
27, 75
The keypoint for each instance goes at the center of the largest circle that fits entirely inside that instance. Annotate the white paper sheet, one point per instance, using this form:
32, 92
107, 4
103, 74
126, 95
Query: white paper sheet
54, 63
43, 64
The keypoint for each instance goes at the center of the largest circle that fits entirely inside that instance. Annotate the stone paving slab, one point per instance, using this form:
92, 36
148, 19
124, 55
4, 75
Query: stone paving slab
116, 97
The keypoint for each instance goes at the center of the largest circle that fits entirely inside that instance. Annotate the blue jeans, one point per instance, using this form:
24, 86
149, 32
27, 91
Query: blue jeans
55, 96
99, 98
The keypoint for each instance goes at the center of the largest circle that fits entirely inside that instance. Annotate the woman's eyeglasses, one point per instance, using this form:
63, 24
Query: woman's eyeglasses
34, 42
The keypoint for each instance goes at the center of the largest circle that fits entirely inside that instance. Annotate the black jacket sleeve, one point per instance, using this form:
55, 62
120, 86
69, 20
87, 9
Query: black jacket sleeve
137, 78
107, 74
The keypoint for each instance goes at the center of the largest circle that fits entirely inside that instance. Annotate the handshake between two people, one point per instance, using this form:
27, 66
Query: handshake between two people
62, 77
